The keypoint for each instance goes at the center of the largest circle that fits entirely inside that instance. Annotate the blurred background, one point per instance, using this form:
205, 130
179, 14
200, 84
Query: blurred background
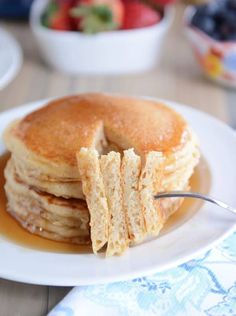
159, 48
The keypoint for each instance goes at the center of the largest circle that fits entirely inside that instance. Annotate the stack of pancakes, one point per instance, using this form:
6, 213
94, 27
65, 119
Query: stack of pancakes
85, 168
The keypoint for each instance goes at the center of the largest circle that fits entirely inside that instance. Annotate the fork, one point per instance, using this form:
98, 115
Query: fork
195, 195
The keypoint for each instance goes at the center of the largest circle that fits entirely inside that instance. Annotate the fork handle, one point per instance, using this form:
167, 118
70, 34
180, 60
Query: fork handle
196, 195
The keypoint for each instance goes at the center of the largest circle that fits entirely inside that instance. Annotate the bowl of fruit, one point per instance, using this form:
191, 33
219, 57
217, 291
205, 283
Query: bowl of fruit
211, 30
100, 36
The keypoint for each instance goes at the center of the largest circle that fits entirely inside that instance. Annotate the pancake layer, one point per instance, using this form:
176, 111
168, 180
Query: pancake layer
44, 214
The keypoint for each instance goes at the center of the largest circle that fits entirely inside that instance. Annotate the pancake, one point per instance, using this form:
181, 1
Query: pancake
118, 241
46, 141
150, 182
93, 188
67, 188
44, 214
130, 173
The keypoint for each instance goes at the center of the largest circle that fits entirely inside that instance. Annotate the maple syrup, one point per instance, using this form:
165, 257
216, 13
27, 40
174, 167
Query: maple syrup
10, 229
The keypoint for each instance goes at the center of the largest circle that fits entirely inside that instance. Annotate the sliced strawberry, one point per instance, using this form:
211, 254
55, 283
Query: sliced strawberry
138, 15
60, 21
57, 15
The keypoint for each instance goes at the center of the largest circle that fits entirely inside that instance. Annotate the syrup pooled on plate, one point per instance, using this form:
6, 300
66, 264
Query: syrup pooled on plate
11, 230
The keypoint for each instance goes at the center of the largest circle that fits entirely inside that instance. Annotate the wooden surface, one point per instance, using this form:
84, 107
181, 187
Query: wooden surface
177, 78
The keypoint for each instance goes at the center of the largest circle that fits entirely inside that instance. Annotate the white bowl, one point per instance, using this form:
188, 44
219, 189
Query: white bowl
116, 52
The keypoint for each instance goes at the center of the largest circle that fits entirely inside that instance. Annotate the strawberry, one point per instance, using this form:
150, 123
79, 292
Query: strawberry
138, 15
98, 15
56, 15
60, 21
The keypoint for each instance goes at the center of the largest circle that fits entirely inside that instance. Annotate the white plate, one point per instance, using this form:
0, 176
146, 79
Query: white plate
202, 231
10, 58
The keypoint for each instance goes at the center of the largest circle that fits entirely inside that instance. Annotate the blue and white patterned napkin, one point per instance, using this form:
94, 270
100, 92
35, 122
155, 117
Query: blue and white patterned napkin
203, 286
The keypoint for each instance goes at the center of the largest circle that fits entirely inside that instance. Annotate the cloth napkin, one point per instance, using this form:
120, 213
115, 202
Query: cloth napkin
203, 286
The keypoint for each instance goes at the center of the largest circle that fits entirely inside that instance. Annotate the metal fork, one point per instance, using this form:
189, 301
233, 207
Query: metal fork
195, 195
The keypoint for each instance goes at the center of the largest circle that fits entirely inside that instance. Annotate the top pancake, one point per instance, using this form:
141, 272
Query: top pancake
50, 137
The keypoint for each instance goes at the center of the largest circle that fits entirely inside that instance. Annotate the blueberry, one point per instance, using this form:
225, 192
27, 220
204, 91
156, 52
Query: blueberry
212, 8
221, 15
207, 25
203, 22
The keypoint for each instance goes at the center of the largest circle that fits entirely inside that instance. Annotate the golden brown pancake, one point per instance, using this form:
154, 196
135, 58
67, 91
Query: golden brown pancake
47, 140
